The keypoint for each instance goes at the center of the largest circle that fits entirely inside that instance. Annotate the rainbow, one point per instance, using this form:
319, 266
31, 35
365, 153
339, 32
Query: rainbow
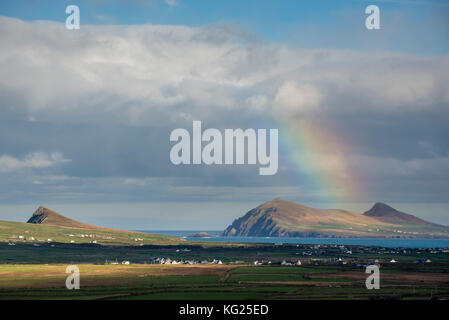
316, 155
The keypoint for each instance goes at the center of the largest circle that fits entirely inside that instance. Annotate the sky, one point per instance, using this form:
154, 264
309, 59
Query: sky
86, 115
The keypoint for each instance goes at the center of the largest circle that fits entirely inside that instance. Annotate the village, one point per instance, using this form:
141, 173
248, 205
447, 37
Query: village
359, 256
195, 253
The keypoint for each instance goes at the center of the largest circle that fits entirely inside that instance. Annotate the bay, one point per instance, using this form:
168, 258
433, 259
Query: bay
380, 242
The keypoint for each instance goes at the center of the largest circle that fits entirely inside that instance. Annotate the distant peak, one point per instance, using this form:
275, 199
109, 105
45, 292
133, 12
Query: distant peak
381, 205
283, 218
40, 210
388, 214
47, 216
380, 209
273, 202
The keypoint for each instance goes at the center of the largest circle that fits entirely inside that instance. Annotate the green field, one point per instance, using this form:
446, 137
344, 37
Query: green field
38, 233
30, 272
213, 282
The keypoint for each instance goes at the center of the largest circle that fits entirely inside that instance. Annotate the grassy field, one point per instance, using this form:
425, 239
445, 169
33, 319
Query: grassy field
35, 233
208, 282
95, 254
38, 272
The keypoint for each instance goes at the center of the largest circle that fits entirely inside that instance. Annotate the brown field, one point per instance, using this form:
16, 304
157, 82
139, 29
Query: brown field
48, 276
403, 278
205, 282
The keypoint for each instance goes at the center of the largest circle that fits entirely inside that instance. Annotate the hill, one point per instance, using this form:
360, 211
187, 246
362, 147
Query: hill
280, 218
49, 217
385, 213
46, 225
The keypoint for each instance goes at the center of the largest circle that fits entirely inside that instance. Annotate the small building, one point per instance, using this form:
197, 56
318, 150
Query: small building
286, 263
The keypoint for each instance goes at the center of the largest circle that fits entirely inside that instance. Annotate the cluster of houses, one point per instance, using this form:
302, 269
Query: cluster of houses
81, 235
294, 262
159, 260
406, 232
342, 250
25, 239
291, 263
91, 236
187, 261
343, 255
22, 238
126, 262
283, 263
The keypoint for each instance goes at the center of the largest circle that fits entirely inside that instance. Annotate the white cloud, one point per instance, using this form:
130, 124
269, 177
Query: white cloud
292, 98
103, 80
145, 74
31, 160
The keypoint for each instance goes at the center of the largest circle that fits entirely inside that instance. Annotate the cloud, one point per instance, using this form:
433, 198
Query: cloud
32, 160
292, 98
107, 98
135, 75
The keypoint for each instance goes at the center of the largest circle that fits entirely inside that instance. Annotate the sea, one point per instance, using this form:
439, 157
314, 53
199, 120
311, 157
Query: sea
380, 242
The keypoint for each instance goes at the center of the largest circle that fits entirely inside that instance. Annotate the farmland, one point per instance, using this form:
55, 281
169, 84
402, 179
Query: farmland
216, 282
19, 232
29, 272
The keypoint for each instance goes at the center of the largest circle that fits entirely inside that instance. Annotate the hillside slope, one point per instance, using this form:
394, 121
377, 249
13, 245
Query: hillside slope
46, 225
49, 217
385, 213
280, 218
